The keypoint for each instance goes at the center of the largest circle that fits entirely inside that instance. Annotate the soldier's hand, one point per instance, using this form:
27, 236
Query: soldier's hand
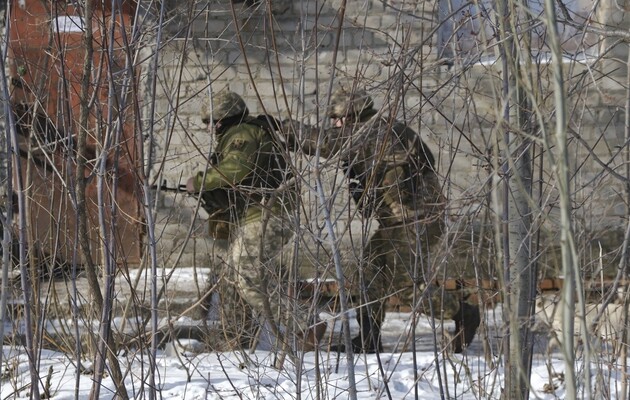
289, 131
190, 186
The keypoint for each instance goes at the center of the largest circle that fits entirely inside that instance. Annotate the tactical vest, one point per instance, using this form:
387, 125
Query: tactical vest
393, 171
270, 172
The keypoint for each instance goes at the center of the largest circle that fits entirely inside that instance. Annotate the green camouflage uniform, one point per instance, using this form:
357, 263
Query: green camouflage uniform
399, 187
246, 170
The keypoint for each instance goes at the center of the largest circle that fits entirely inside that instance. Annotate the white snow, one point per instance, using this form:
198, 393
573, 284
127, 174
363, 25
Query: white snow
184, 370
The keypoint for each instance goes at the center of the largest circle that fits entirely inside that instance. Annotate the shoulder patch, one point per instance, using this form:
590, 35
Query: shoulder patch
238, 144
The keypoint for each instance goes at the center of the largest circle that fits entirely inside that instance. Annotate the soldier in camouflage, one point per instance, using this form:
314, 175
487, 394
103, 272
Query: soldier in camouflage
247, 167
396, 183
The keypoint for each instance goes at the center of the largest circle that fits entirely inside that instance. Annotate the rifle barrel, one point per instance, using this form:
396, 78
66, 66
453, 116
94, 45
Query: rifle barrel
165, 188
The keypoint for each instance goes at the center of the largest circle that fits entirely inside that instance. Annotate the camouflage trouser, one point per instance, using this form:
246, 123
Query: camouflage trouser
235, 315
262, 280
397, 263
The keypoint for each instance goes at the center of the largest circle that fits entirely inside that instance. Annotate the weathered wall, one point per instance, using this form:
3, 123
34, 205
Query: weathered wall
283, 66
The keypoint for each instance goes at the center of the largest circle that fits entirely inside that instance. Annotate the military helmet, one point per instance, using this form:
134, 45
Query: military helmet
226, 104
349, 103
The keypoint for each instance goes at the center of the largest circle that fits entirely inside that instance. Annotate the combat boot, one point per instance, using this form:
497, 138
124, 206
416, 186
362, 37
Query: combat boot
313, 336
467, 321
369, 339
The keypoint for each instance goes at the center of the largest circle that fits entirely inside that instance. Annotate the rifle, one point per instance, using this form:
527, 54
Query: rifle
212, 207
219, 217
165, 188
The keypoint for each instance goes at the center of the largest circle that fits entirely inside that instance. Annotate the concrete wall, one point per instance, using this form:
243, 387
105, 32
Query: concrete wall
282, 64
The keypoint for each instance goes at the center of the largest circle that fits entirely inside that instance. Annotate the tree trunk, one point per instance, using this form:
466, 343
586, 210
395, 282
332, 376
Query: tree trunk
519, 272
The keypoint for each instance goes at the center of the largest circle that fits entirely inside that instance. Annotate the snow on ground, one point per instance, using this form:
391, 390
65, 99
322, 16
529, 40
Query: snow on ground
190, 373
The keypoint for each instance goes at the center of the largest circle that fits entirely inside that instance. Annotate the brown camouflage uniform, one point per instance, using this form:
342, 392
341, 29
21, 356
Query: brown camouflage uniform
399, 187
